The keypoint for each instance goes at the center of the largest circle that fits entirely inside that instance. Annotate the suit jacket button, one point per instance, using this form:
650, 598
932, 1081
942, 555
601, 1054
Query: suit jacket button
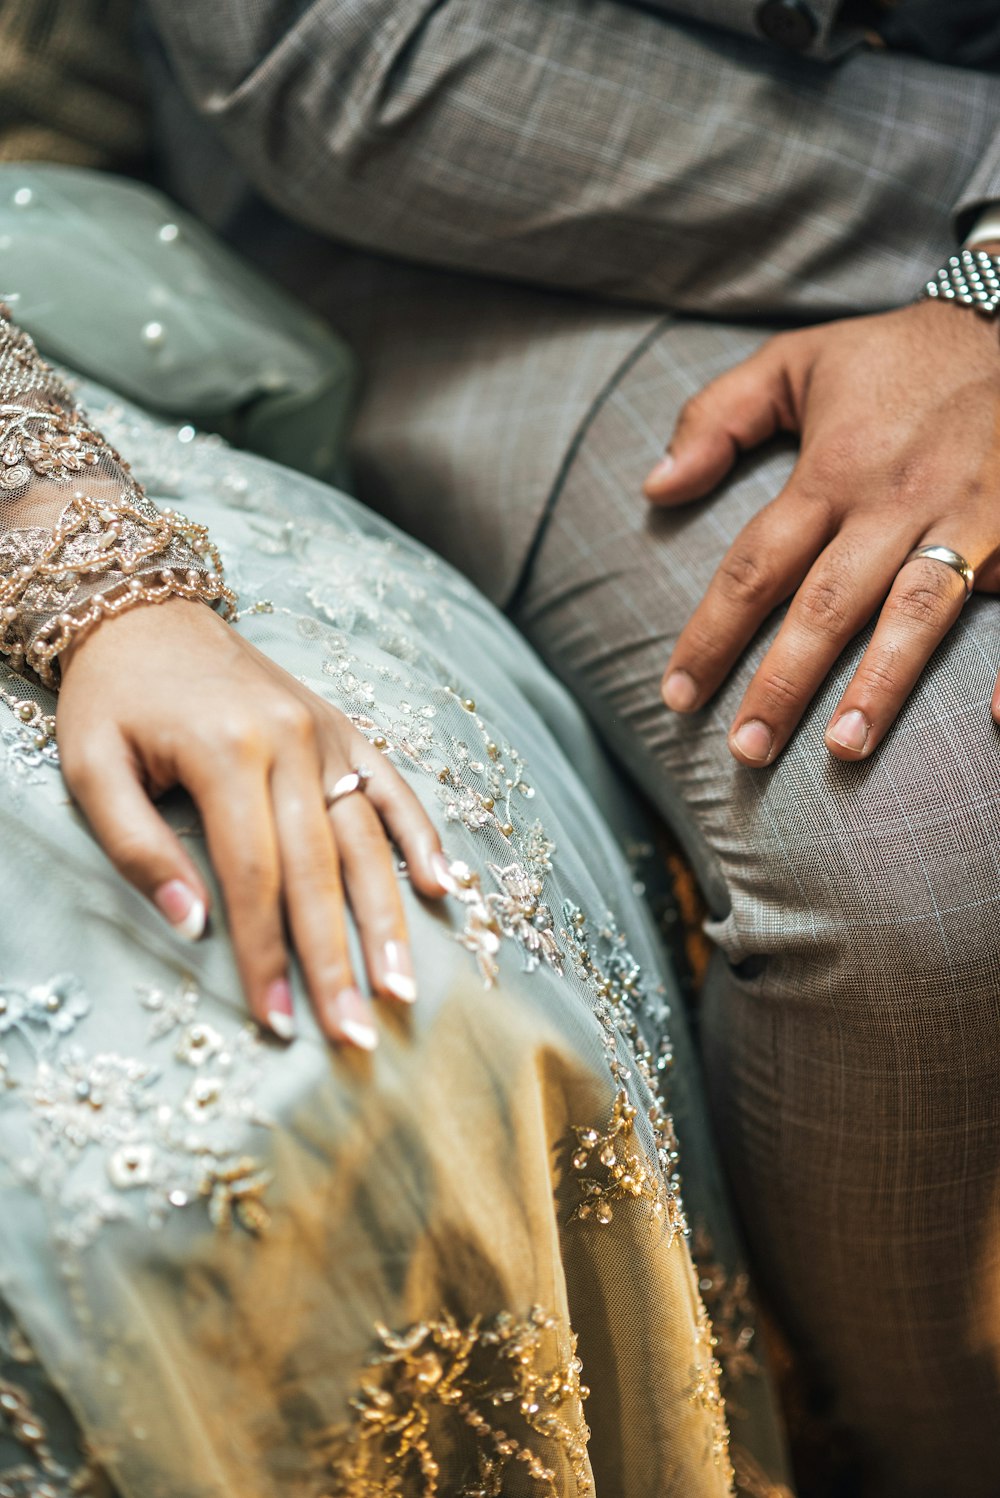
789, 23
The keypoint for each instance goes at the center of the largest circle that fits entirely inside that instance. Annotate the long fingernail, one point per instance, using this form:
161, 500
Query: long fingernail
280, 1015
350, 1016
397, 975
442, 872
850, 730
182, 908
754, 740
680, 692
664, 468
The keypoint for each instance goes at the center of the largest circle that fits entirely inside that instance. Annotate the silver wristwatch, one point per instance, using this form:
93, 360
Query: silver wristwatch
971, 277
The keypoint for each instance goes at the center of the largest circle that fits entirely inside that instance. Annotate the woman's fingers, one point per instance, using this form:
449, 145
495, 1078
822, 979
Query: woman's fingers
766, 562
234, 800
410, 828
373, 891
925, 600
739, 410
314, 898
104, 780
837, 598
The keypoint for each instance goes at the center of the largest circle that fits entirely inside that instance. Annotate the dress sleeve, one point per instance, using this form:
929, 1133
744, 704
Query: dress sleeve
79, 540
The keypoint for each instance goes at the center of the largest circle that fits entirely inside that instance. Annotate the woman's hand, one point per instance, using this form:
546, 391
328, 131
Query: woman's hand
170, 695
899, 417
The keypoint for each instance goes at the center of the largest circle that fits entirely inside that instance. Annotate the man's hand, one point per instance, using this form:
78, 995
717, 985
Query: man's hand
170, 695
899, 416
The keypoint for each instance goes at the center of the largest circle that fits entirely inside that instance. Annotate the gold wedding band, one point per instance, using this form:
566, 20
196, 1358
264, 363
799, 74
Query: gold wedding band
952, 559
353, 781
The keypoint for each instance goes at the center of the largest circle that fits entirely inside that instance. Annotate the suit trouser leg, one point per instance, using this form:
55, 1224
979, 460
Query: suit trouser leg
852, 1020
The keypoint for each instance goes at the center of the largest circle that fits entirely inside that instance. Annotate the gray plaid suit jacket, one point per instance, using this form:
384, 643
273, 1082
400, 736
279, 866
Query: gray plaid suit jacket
591, 145
585, 145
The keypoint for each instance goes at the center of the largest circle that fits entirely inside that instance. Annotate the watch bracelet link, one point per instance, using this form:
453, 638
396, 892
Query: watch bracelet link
971, 278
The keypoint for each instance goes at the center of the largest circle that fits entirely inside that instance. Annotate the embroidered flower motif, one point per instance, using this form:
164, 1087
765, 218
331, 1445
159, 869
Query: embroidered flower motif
198, 1043
611, 1169
493, 1382
131, 1165
236, 1192
164, 1153
522, 916
43, 1011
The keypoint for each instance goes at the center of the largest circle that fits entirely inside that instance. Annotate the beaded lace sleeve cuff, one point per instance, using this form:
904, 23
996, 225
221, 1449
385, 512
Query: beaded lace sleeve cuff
79, 540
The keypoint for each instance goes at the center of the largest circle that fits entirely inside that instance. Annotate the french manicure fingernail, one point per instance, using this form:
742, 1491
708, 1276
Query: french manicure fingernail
663, 469
850, 730
442, 872
278, 1003
350, 1015
397, 976
680, 692
182, 908
754, 739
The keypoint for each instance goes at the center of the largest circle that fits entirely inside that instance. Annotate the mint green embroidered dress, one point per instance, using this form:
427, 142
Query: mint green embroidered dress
233, 1268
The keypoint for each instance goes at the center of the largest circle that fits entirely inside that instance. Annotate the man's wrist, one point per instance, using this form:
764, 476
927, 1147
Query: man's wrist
985, 232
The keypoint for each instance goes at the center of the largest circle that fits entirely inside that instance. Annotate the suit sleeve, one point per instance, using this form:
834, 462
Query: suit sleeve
803, 26
982, 191
591, 146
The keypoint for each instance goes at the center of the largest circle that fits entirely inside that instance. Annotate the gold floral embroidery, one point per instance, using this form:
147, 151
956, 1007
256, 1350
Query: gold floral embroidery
624, 1009
729, 1303
35, 1471
428, 1388
706, 1393
611, 1169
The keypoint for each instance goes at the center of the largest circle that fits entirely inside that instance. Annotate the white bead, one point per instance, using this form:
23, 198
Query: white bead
153, 333
168, 233
23, 197
186, 434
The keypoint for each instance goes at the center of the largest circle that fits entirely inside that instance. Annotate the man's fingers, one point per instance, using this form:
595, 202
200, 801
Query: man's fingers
923, 603
767, 561
739, 410
314, 902
837, 598
103, 779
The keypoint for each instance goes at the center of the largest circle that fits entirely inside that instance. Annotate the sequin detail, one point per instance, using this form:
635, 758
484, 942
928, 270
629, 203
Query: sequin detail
610, 1169
29, 1421
625, 1010
513, 1385
706, 1393
729, 1303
